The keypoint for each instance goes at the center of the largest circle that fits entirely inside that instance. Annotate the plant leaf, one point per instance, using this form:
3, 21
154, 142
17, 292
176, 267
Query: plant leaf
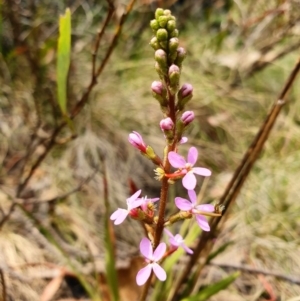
213, 289
63, 59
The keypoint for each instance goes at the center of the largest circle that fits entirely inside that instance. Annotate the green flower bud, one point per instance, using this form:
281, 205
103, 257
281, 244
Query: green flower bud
163, 44
174, 33
163, 20
159, 12
162, 34
167, 12
173, 45
154, 25
181, 54
161, 59
171, 25
154, 43
174, 76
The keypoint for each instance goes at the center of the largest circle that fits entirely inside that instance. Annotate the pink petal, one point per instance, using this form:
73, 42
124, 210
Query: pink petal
192, 155
159, 272
159, 251
168, 233
176, 160
193, 196
119, 216
187, 249
202, 222
206, 207
183, 140
174, 242
143, 275
202, 171
134, 196
183, 204
189, 181
146, 248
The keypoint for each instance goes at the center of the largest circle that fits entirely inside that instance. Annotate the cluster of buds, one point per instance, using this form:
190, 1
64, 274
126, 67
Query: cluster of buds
172, 99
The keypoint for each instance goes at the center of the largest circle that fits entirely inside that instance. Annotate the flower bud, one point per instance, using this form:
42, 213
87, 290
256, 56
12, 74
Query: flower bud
173, 45
159, 12
174, 76
171, 25
167, 12
166, 124
136, 140
161, 59
154, 43
181, 54
163, 20
184, 95
187, 117
154, 25
159, 92
174, 33
162, 34
157, 87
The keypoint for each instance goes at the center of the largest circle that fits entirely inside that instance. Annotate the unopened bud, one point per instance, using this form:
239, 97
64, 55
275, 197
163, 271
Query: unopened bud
159, 12
173, 45
166, 124
154, 25
181, 54
157, 87
163, 20
174, 76
162, 35
167, 12
171, 25
187, 117
159, 92
136, 140
154, 43
174, 33
184, 95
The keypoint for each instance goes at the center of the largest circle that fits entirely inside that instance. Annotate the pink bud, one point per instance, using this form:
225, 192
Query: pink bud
187, 117
166, 124
136, 140
157, 87
186, 90
173, 69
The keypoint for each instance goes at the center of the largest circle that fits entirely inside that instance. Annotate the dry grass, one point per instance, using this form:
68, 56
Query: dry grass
229, 101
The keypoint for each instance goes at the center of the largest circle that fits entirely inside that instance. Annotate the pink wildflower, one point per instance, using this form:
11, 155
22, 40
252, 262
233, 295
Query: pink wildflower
192, 206
189, 180
120, 214
152, 259
177, 241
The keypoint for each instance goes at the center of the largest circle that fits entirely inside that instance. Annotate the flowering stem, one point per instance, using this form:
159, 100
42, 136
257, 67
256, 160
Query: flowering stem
165, 184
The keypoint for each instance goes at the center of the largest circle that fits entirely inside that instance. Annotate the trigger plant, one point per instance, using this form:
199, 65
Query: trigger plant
172, 98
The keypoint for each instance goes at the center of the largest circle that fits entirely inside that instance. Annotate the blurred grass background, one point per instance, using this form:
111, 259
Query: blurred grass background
239, 55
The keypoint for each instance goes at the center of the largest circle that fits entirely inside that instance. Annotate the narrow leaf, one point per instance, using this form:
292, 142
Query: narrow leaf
213, 289
111, 273
63, 59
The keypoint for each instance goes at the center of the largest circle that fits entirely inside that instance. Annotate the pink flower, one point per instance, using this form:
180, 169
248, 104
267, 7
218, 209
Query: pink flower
120, 214
152, 259
192, 206
177, 241
146, 201
189, 180
136, 140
